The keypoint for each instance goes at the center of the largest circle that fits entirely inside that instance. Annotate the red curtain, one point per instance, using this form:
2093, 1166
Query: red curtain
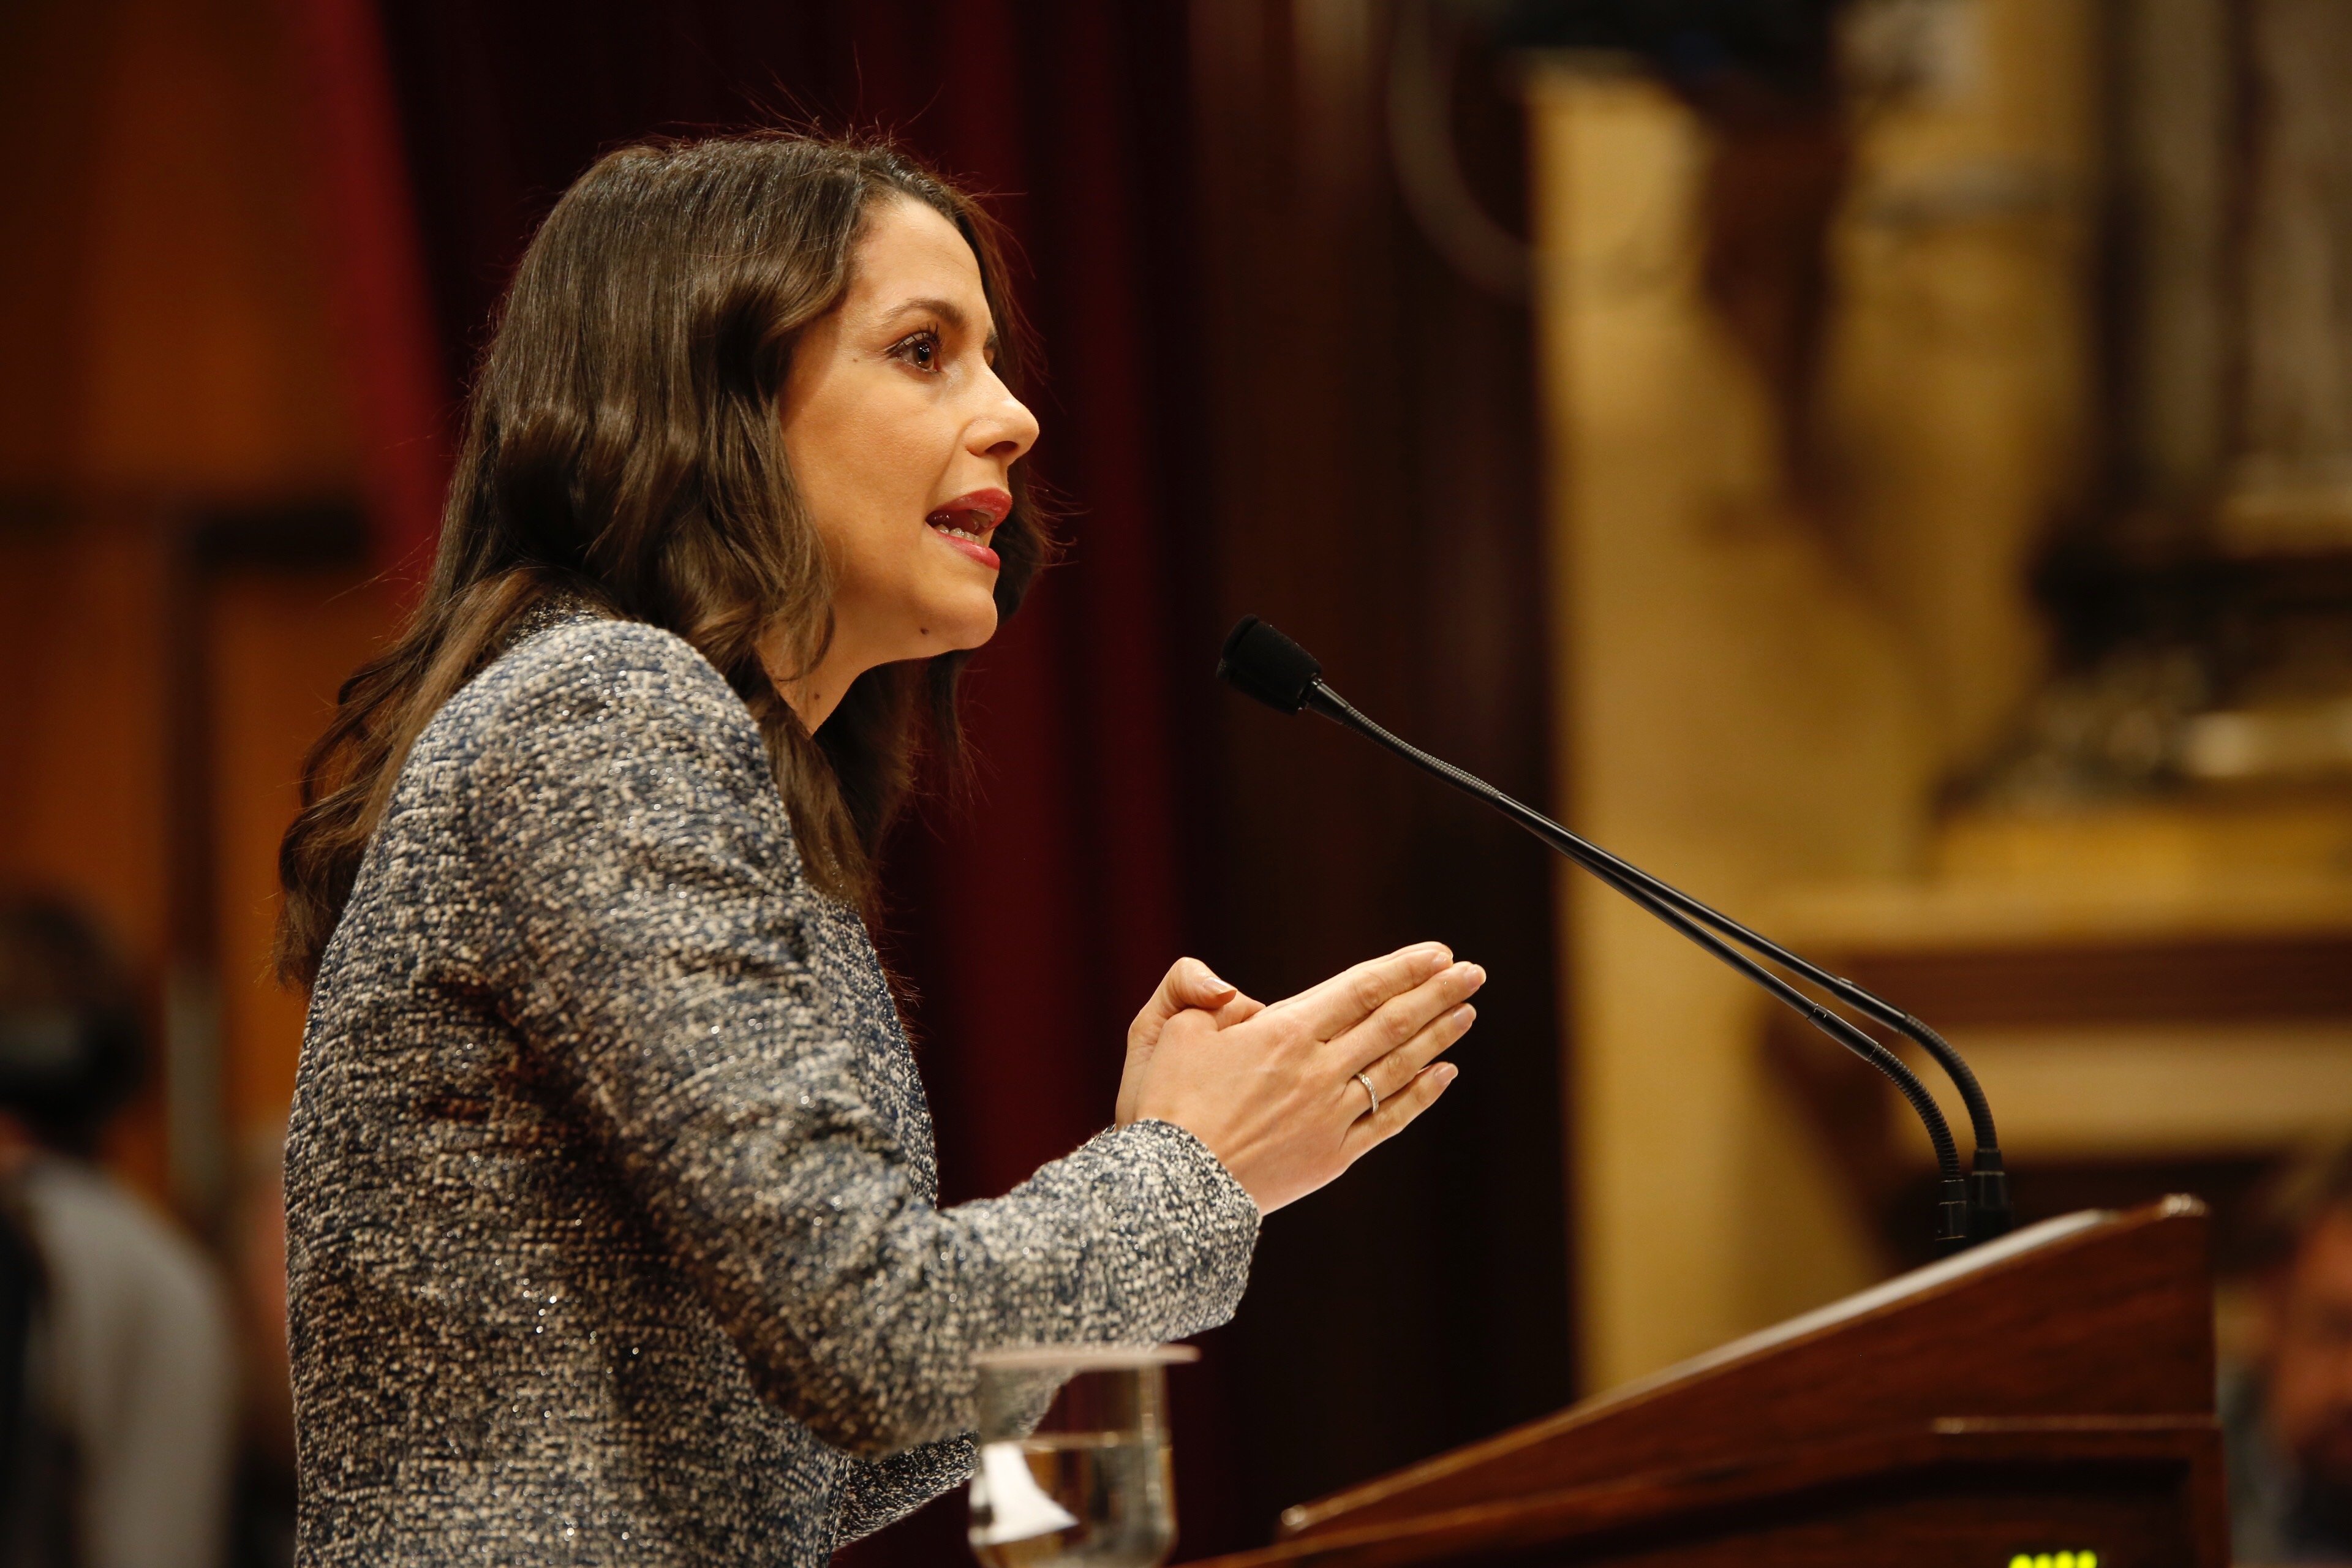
364, 212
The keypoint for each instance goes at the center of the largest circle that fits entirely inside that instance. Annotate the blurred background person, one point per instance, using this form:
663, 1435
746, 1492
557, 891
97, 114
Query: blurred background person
129, 1385
262, 1530
2288, 1415
36, 1523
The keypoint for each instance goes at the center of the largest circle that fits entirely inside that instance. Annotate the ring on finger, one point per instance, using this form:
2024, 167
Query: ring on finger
1365, 1078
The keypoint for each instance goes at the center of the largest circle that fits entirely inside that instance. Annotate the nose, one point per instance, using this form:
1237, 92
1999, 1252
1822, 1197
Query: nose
1005, 429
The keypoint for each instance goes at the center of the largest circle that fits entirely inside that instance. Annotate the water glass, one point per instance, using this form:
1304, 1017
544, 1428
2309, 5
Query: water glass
1074, 1467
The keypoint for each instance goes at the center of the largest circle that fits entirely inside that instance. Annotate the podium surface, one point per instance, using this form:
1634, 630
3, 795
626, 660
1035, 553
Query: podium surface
2049, 1393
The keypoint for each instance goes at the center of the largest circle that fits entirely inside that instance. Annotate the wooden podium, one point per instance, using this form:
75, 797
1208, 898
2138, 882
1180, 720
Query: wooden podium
2050, 1393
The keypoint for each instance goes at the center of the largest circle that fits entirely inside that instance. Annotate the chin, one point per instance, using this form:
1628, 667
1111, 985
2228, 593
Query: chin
965, 625
973, 639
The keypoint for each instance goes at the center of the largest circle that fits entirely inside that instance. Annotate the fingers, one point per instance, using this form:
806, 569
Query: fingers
1397, 1110
1191, 984
1188, 984
1239, 1010
1393, 1072
1403, 1018
1346, 999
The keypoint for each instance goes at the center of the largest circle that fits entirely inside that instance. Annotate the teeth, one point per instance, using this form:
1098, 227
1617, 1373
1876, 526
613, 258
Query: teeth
958, 533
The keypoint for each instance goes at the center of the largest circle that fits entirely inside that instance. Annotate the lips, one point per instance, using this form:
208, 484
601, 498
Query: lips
977, 512
965, 523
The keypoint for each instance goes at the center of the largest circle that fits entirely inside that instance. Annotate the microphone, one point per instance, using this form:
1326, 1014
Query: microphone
1262, 663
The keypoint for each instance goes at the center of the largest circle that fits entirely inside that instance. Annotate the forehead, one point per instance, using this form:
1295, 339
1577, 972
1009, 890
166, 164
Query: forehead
908, 251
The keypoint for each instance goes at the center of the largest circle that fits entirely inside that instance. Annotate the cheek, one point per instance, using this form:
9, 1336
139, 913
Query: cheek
898, 458
863, 472
869, 456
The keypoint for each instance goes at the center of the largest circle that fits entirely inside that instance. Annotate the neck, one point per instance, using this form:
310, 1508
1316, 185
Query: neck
813, 693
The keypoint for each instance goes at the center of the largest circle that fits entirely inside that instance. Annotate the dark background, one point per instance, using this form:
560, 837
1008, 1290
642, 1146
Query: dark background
1262, 393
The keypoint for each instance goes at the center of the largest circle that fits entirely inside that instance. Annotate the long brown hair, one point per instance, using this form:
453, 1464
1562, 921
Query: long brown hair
622, 447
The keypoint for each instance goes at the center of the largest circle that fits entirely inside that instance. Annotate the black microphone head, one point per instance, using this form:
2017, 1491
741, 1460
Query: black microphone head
1261, 662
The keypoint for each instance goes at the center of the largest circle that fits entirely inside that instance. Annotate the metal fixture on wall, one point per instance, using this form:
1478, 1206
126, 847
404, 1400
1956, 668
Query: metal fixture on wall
1423, 59
206, 544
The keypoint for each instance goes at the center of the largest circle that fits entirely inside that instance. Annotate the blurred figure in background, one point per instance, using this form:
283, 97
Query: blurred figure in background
129, 1380
34, 1530
2288, 1417
254, 1252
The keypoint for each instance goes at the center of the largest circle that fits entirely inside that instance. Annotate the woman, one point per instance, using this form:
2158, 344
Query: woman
610, 1179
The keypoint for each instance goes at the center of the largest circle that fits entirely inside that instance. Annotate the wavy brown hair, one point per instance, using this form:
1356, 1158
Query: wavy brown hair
624, 446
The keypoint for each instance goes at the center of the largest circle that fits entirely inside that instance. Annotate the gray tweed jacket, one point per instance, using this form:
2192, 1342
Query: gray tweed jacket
610, 1184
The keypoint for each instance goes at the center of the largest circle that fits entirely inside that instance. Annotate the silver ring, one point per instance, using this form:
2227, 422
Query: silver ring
1366, 1080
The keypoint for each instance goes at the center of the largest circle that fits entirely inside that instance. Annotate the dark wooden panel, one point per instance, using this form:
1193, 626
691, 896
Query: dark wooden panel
2272, 977
2112, 1320
2131, 1517
2138, 1493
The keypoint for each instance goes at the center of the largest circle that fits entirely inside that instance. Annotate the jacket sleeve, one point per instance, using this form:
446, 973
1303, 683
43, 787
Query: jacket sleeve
876, 1492
657, 946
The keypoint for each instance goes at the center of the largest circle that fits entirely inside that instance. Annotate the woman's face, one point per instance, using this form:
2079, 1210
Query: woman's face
902, 442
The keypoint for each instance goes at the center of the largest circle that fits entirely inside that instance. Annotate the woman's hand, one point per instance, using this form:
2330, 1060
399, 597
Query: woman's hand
1272, 1090
1188, 984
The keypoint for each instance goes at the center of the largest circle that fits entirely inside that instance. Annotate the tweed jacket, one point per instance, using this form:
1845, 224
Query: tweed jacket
611, 1234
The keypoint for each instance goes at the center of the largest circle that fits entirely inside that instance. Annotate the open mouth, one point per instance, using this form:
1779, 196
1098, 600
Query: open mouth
967, 520
977, 532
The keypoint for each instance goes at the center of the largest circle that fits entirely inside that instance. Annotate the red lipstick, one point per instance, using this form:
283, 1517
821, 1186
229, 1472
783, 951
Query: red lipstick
992, 504
976, 513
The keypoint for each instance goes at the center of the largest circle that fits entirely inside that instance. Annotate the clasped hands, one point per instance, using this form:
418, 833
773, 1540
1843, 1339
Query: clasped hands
1271, 1089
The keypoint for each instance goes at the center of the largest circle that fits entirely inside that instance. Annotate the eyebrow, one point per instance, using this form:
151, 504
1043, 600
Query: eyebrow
947, 310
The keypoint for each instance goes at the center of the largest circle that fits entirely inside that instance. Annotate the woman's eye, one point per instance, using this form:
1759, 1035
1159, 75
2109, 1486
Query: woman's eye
921, 350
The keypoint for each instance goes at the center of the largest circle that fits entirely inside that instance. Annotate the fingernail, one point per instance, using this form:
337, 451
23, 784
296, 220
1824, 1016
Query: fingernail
1446, 1073
1464, 1016
1210, 975
1437, 957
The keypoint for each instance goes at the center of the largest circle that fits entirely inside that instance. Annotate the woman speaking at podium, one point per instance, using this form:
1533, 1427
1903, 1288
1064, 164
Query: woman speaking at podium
610, 1179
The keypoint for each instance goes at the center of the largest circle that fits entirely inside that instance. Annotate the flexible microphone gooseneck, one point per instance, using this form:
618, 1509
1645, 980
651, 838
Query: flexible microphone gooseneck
1262, 663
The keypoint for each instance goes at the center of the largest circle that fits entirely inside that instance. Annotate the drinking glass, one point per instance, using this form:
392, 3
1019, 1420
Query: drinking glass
1074, 1467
